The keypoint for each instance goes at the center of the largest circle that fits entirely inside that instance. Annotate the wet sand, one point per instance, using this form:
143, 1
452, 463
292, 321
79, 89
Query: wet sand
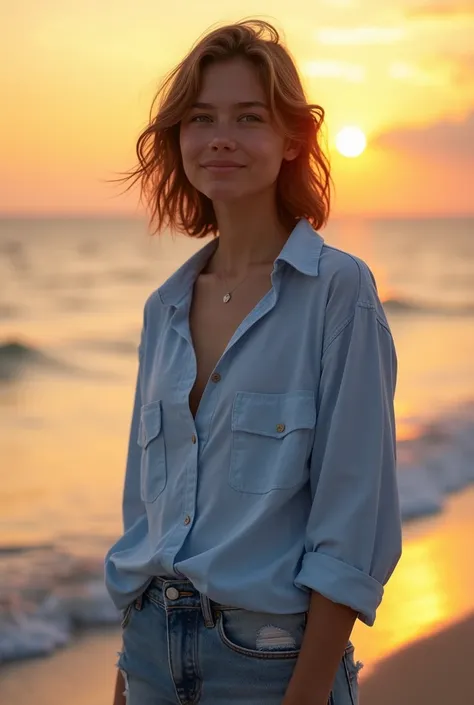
81, 674
436, 671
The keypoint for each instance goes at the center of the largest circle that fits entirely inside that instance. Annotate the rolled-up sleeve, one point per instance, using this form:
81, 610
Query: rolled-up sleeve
353, 538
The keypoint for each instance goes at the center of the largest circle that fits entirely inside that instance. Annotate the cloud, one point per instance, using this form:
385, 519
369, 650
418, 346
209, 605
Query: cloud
338, 3
354, 73
444, 138
463, 71
442, 10
359, 36
417, 75
433, 72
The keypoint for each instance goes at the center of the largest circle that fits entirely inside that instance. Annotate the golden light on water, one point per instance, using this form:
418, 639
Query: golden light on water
431, 587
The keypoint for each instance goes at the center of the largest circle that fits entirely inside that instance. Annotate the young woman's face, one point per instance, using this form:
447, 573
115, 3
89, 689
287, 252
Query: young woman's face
229, 145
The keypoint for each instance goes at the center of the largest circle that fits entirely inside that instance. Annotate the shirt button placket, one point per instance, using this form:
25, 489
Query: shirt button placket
187, 519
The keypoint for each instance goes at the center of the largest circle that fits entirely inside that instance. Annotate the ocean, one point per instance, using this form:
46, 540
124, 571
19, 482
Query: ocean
71, 299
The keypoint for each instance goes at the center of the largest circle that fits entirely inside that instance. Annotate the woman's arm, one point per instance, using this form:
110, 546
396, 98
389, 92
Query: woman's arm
327, 633
353, 534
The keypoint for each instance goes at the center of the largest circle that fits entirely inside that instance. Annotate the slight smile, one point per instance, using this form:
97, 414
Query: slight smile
222, 167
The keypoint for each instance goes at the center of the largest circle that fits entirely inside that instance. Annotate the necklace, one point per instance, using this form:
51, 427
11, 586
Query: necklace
228, 295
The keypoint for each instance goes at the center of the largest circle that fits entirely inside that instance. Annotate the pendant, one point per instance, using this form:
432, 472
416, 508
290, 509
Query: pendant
227, 298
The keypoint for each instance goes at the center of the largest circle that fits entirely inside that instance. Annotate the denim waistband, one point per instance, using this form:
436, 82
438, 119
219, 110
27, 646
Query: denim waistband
180, 593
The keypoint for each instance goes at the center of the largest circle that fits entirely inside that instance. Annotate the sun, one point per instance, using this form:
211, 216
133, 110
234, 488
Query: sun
351, 141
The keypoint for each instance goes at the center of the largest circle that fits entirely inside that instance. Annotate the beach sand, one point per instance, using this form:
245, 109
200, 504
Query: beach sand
81, 674
417, 651
432, 671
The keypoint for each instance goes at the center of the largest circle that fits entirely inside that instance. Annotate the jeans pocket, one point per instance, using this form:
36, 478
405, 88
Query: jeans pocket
262, 635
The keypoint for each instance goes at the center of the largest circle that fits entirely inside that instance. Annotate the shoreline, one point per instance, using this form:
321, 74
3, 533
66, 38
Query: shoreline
81, 672
432, 587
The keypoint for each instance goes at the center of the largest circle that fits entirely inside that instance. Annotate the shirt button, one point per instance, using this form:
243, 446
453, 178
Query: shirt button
216, 377
171, 593
193, 438
187, 519
280, 427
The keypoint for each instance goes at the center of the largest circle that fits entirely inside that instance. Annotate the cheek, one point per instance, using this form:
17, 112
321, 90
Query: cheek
190, 147
268, 154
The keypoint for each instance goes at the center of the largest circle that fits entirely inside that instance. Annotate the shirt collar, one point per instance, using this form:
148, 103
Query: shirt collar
302, 251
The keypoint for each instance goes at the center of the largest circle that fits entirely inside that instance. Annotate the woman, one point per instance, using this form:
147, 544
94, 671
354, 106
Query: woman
260, 505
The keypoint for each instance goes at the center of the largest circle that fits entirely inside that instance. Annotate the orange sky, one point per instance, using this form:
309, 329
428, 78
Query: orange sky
80, 76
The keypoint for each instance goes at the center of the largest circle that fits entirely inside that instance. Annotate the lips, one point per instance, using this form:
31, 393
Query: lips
216, 164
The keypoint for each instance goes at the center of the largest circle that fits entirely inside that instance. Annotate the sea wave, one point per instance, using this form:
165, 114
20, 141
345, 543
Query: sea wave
437, 463
27, 632
400, 305
16, 356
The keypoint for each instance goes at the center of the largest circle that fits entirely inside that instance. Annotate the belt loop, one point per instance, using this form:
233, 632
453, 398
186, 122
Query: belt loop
139, 602
207, 611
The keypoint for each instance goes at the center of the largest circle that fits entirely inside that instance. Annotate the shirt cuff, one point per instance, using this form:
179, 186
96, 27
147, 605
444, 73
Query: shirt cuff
341, 583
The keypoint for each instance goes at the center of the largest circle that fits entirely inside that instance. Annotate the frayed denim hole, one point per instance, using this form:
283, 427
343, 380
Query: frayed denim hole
125, 680
271, 638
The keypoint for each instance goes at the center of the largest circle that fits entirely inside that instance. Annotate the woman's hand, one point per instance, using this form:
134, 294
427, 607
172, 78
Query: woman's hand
327, 632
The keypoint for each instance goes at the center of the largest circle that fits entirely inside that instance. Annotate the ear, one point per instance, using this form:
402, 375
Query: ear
291, 150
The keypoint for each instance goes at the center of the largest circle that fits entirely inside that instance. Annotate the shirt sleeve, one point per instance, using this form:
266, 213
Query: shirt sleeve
132, 505
353, 537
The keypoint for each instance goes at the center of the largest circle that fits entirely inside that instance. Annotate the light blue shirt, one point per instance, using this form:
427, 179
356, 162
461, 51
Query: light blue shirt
285, 482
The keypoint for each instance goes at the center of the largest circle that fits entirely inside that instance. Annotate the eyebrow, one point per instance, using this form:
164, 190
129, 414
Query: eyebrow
244, 104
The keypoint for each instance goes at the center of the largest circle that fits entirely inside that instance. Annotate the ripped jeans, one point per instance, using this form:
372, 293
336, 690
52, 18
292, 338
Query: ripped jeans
180, 648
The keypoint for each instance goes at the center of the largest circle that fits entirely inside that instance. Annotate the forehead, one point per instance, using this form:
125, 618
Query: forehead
232, 81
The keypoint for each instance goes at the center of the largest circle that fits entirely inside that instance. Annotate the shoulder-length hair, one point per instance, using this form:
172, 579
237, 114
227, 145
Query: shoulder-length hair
303, 184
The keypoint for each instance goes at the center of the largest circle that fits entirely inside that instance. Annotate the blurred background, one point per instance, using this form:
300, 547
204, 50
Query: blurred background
76, 265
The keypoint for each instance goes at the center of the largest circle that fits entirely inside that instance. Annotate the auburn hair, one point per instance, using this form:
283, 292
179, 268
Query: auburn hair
303, 184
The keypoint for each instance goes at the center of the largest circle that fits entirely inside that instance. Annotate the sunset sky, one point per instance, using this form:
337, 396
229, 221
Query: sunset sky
78, 78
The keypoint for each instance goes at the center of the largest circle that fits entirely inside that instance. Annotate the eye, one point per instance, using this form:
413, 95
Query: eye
251, 118
200, 118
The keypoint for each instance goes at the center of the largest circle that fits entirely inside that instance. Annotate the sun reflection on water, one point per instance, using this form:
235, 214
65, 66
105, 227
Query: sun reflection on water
432, 585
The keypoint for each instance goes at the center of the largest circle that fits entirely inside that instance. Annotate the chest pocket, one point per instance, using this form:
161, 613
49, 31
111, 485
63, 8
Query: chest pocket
153, 460
272, 435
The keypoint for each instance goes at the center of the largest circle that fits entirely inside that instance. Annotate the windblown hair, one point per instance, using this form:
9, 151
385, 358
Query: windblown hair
303, 185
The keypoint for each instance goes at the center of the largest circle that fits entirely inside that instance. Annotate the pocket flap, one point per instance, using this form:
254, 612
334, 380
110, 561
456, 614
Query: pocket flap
150, 423
273, 415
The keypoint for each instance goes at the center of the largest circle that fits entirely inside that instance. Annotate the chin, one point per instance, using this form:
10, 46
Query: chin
224, 193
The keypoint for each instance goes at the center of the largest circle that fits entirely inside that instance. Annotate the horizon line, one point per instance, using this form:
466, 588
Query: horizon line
129, 215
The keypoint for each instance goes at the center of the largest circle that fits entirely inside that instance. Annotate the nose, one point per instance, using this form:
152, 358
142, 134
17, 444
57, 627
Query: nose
222, 143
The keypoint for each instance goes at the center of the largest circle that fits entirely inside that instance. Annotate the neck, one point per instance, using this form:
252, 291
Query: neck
250, 235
